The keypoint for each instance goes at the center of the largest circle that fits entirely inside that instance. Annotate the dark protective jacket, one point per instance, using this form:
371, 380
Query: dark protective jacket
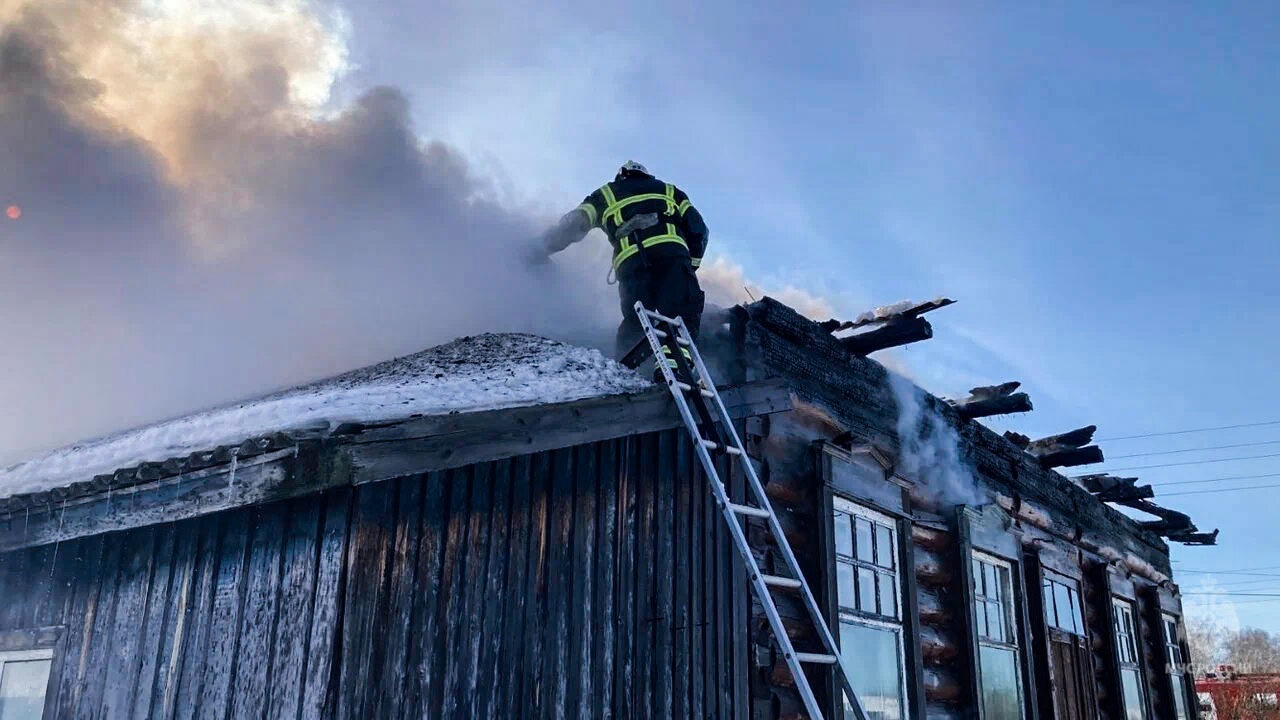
643, 217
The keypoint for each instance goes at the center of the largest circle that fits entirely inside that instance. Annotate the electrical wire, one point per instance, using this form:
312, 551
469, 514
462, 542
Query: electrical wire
1206, 481
1202, 449
1188, 432
1190, 462
1220, 490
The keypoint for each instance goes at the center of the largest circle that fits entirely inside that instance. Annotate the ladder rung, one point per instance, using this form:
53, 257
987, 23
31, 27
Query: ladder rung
686, 387
748, 510
706, 393
819, 658
660, 317
732, 450
682, 341
708, 444
776, 581
660, 333
689, 388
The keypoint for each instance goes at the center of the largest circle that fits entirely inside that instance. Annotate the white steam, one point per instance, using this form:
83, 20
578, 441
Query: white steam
929, 448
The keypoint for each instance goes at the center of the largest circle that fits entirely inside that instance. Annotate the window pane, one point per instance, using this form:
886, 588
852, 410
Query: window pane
866, 590
1180, 697
864, 539
980, 618
844, 535
22, 689
874, 665
977, 578
1133, 704
991, 581
1050, 616
995, 622
1000, 697
888, 595
1062, 597
844, 585
884, 546
1077, 611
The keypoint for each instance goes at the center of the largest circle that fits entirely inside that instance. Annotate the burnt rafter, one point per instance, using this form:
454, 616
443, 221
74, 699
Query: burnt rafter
1066, 450
993, 400
1175, 525
899, 324
1109, 488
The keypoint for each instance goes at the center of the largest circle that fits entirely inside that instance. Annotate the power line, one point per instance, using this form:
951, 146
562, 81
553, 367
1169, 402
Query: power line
1160, 484
1203, 449
1188, 432
1236, 594
1220, 490
1191, 462
1242, 571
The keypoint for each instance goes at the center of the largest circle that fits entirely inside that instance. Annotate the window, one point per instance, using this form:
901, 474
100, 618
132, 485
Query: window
1062, 606
869, 595
24, 677
1131, 690
1175, 670
993, 611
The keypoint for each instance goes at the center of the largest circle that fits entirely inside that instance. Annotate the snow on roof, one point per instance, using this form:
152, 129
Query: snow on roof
485, 372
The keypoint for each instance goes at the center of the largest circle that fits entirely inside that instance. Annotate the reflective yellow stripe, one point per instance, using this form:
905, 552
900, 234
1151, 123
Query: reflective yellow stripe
626, 253
609, 201
615, 206
684, 207
590, 210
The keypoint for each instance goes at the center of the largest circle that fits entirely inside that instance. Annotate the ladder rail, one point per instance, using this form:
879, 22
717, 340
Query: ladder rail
757, 487
759, 581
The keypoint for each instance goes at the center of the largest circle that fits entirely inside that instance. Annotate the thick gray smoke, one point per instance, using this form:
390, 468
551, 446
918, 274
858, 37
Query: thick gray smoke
930, 448
193, 230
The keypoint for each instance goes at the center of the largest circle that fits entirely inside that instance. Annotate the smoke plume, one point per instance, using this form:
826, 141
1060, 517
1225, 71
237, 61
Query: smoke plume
929, 448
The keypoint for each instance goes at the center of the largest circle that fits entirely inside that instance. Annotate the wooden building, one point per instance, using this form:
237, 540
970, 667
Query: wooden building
564, 560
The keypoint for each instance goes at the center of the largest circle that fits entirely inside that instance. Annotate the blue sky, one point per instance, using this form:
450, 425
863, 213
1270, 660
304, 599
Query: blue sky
1097, 186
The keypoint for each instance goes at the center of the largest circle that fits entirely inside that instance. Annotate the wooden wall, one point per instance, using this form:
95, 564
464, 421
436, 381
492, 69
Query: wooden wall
590, 582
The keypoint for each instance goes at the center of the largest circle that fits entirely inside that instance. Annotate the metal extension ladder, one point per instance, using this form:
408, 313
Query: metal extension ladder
696, 397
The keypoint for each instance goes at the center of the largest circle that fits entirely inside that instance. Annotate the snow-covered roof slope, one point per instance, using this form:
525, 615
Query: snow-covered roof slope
469, 374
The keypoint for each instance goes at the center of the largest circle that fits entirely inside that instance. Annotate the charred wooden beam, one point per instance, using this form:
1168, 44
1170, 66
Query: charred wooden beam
1071, 458
896, 333
904, 310
1174, 525
1109, 488
993, 400
1068, 440
1196, 538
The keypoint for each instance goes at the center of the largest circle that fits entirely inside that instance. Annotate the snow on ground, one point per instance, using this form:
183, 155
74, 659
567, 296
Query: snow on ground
469, 374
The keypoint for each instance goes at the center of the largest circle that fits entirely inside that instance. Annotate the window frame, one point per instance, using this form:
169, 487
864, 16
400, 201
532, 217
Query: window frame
1176, 662
1012, 609
34, 654
898, 625
1122, 608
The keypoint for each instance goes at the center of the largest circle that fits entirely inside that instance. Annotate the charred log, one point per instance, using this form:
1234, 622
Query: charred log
894, 334
993, 400
1109, 488
1089, 455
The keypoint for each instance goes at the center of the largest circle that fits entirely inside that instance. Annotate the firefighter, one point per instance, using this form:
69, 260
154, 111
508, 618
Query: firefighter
658, 241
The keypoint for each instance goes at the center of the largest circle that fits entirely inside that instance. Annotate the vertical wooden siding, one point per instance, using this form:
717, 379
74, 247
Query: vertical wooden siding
590, 582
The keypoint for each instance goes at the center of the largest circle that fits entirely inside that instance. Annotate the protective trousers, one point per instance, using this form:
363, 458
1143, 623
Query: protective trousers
667, 285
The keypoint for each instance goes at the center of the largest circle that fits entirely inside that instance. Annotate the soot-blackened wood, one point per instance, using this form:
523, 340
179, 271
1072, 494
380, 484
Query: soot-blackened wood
994, 404
646, 487
401, 592
363, 640
478, 536
297, 595
219, 655
177, 622
698, 491
535, 620
606, 607
90, 678
893, 334
80, 610
197, 627
663, 577
560, 584
426, 653
323, 649
155, 628
583, 618
453, 591
495, 594
682, 633
258, 624
1088, 455
628, 535
132, 588
511, 666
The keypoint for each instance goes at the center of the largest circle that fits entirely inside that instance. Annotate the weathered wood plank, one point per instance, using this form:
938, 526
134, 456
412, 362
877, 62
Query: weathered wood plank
606, 579
299, 563
682, 632
153, 628
583, 619
402, 594
474, 577
219, 653
646, 552
362, 638
460, 440
664, 575
560, 578
426, 654
90, 678
132, 588
535, 620
624, 692
86, 557
495, 594
259, 480
176, 624
453, 594
511, 660
253, 679
322, 648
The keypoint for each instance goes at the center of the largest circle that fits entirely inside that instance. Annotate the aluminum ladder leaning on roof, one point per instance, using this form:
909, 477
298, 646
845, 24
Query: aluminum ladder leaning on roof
694, 392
